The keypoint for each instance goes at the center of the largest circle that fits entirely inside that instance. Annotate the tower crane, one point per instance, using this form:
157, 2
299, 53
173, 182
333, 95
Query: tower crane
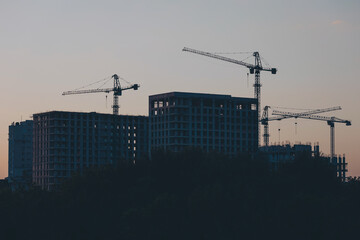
330, 121
265, 118
117, 89
253, 68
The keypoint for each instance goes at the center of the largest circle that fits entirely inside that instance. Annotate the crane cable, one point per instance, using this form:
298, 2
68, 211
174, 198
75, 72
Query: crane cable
224, 53
264, 61
278, 107
104, 83
125, 80
240, 60
107, 78
247, 80
246, 58
279, 128
232, 53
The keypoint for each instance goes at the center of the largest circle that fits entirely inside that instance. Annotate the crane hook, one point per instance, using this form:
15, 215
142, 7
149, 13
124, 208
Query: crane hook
279, 135
247, 80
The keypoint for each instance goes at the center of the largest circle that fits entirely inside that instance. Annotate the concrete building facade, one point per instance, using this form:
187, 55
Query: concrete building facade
277, 155
341, 166
69, 142
20, 154
222, 123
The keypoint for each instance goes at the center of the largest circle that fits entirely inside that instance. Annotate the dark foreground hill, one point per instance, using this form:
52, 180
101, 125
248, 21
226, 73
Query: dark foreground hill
190, 195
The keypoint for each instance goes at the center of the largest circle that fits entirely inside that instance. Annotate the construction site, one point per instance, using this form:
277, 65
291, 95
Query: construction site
67, 142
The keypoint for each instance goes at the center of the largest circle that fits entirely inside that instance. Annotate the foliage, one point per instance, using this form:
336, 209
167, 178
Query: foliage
189, 195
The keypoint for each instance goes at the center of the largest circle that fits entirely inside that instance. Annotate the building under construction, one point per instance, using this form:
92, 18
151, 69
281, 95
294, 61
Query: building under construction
20, 154
69, 142
211, 122
278, 155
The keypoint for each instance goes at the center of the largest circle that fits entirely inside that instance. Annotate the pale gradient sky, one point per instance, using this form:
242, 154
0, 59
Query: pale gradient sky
47, 47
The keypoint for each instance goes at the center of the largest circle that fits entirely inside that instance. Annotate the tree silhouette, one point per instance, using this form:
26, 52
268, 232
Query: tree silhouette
189, 195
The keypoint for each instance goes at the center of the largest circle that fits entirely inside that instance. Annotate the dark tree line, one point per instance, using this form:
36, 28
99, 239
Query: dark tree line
189, 195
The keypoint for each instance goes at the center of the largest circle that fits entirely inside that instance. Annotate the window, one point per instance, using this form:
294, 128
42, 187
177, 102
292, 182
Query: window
253, 106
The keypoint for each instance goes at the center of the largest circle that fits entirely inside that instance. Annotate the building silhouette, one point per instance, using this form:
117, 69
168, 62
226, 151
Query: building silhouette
70, 142
58, 144
277, 155
20, 154
211, 122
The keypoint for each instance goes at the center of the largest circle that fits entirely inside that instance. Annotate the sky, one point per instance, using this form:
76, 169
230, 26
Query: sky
47, 47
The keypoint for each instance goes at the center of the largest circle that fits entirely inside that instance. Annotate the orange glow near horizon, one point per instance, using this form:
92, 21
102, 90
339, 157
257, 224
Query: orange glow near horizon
47, 48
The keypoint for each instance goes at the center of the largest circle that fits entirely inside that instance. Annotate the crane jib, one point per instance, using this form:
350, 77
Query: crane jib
117, 91
251, 67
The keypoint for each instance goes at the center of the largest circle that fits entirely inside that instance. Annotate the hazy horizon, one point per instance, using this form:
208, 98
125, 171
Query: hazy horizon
48, 47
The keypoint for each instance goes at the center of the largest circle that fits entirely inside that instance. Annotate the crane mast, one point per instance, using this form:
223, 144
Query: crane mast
117, 93
253, 68
117, 89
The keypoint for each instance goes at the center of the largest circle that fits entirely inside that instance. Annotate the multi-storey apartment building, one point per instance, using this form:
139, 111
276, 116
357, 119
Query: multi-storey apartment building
20, 154
278, 155
68, 142
212, 122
